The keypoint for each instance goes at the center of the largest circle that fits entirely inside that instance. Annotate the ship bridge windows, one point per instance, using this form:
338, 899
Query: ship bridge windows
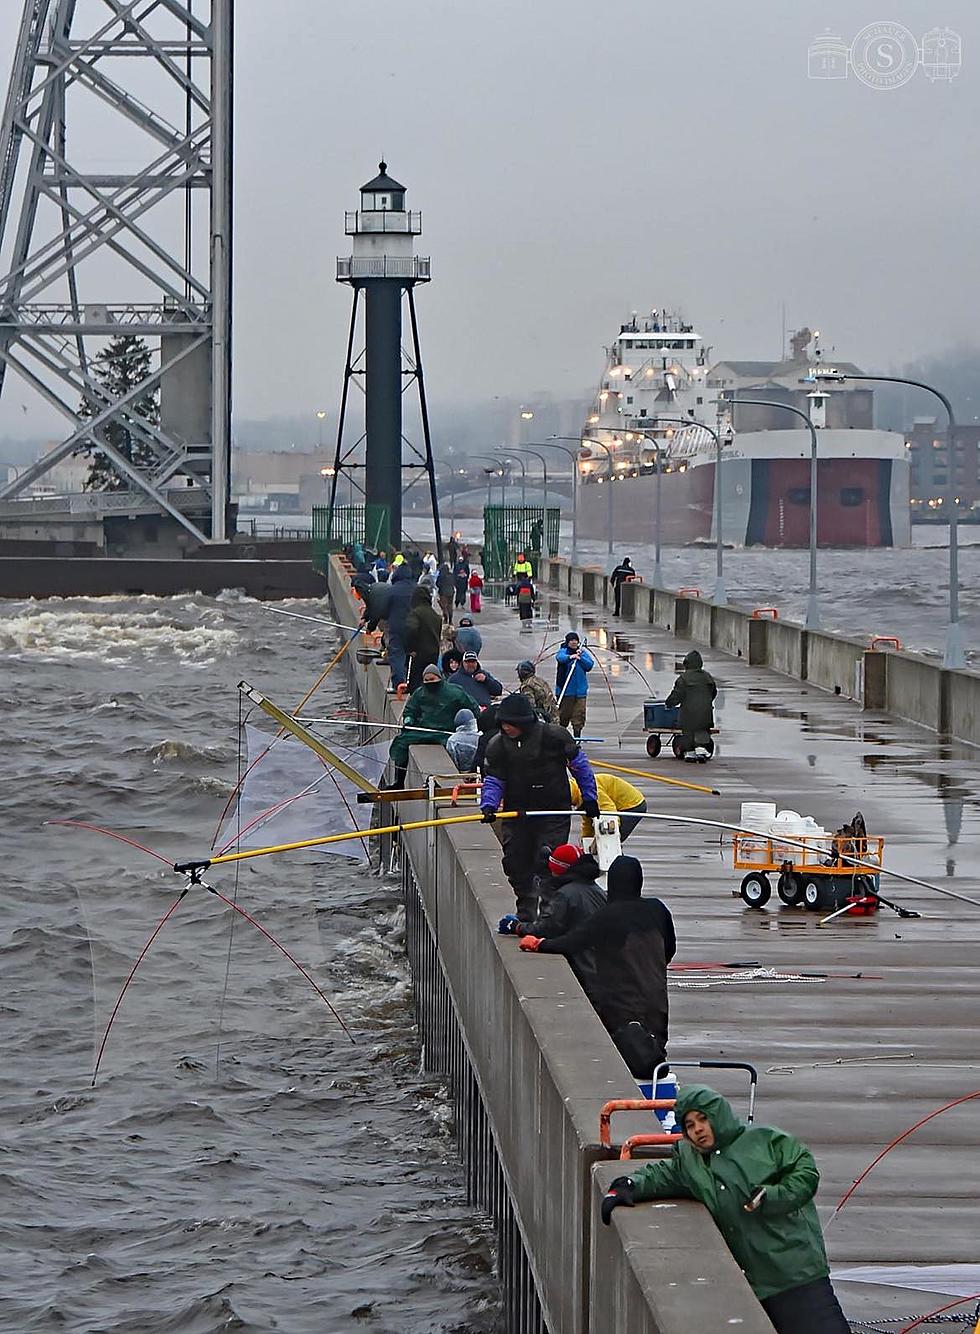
798, 495
851, 496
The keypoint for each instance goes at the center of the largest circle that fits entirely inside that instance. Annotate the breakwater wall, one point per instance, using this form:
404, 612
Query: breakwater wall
529, 1066
907, 685
101, 576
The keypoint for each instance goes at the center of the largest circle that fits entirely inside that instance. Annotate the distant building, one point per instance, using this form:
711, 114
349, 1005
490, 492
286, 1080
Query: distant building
928, 449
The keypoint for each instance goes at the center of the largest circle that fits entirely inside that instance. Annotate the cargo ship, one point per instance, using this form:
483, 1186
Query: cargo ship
639, 436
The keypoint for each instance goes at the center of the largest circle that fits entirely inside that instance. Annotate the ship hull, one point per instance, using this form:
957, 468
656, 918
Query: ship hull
861, 502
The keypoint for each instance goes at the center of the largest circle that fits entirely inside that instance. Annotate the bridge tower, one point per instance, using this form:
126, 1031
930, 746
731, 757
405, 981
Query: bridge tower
118, 221
384, 268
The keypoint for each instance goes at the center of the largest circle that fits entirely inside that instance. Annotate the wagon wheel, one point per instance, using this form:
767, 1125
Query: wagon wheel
815, 896
756, 889
789, 889
677, 746
654, 745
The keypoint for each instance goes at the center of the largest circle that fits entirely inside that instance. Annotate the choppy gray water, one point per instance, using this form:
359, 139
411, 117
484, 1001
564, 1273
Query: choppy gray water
309, 1185
861, 593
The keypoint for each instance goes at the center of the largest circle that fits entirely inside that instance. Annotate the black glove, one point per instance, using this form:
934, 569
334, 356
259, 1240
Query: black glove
620, 1191
590, 807
489, 814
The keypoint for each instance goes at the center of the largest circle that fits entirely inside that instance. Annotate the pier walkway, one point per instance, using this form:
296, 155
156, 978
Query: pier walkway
869, 1024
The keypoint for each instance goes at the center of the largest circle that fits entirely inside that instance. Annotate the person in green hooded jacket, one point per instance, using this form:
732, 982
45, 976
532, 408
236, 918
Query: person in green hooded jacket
758, 1184
428, 719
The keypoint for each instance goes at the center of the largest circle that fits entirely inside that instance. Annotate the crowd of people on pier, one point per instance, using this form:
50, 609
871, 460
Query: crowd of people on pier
522, 745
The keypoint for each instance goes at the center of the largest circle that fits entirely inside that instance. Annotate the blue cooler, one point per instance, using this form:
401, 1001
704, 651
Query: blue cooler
657, 715
666, 1088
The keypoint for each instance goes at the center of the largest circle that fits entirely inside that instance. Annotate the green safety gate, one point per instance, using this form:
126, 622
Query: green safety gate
510, 529
346, 524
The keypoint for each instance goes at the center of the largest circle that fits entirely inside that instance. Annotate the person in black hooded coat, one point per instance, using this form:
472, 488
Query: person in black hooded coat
399, 603
572, 898
695, 691
633, 941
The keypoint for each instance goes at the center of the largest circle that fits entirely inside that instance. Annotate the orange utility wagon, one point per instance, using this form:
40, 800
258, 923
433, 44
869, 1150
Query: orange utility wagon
818, 873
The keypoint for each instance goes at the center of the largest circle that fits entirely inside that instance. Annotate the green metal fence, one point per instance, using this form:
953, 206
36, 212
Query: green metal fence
347, 524
511, 529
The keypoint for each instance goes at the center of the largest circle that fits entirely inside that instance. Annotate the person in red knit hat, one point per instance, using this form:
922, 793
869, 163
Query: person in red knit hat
567, 902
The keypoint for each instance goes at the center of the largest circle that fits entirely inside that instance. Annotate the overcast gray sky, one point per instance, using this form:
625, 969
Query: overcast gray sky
575, 161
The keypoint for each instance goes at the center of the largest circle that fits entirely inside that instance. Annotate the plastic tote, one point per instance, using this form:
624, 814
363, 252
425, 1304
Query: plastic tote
656, 714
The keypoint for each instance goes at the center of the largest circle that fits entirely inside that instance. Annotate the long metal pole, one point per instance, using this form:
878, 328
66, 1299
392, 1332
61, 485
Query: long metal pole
657, 568
550, 444
954, 656
222, 212
721, 594
609, 498
812, 621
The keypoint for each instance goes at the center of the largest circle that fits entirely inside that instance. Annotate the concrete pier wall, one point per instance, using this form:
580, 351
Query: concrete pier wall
907, 685
529, 1066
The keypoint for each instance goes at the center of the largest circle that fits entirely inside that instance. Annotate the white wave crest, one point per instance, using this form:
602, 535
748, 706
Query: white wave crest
111, 637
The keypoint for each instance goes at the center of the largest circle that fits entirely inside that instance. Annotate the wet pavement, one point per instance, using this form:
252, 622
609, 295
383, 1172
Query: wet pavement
887, 1031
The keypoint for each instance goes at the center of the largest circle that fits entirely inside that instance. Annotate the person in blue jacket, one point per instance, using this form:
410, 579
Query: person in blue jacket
572, 682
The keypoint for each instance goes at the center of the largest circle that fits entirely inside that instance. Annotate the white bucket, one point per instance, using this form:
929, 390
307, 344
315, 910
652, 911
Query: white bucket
788, 824
757, 814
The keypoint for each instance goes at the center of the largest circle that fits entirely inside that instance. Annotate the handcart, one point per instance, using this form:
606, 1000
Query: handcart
818, 873
659, 721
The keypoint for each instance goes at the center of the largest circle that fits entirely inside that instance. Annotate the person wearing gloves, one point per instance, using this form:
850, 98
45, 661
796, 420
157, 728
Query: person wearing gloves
572, 682
570, 899
526, 768
461, 745
695, 691
758, 1184
633, 939
428, 718
538, 692
481, 686
615, 797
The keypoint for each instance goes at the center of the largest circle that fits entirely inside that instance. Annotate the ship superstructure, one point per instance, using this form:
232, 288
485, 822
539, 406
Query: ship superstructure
657, 377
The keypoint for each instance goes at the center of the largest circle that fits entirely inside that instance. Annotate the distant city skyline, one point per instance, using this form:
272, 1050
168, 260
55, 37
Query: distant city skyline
574, 165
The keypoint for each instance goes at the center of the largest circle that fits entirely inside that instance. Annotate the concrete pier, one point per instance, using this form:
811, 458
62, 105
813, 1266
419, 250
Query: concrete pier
859, 1029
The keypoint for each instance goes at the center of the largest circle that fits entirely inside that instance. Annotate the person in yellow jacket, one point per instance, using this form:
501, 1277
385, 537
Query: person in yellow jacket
616, 796
521, 566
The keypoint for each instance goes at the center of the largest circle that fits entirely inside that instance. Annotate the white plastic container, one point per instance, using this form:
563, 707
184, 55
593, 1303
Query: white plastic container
788, 824
757, 814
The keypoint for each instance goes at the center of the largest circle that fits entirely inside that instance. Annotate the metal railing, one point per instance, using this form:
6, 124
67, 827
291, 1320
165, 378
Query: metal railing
389, 220
413, 267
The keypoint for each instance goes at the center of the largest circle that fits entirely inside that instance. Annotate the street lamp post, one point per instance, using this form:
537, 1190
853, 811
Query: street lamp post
550, 444
544, 467
509, 461
954, 656
721, 594
812, 621
610, 478
320, 415
498, 470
